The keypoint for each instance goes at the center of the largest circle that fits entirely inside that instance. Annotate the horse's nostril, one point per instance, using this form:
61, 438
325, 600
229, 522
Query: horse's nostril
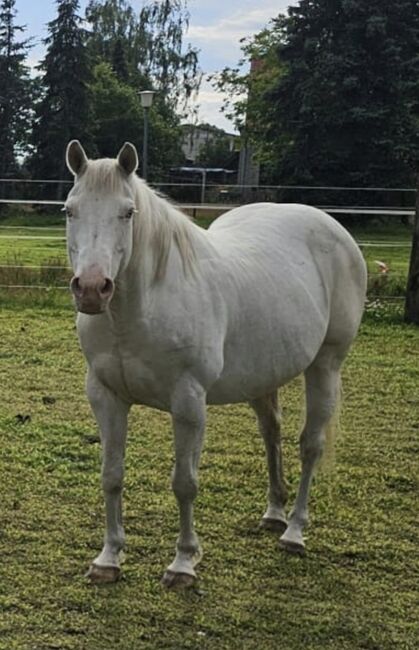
75, 286
106, 288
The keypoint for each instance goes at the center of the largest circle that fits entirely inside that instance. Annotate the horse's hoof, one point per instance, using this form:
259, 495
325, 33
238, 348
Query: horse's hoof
173, 580
295, 548
103, 574
273, 525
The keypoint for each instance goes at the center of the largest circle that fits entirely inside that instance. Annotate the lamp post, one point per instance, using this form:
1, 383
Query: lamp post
146, 97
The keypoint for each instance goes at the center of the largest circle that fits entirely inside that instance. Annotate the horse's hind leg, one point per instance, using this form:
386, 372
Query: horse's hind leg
188, 416
322, 381
267, 412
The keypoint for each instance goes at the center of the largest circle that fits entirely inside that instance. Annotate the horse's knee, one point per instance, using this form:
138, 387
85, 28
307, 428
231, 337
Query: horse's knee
112, 478
185, 485
312, 443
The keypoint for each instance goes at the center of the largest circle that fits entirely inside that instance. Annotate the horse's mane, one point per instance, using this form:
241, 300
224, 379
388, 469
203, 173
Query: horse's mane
157, 223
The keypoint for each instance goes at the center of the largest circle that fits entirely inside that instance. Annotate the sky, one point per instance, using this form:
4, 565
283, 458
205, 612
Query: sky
215, 29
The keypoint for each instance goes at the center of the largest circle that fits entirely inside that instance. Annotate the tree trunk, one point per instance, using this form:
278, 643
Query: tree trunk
411, 313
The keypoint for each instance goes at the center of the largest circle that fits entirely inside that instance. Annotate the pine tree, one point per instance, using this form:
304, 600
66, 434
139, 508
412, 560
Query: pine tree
349, 100
64, 110
15, 96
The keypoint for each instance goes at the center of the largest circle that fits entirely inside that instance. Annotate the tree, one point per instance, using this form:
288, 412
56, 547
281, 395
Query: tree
119, 61
63, 112
117, 116
245, 86
145, 52
246, 89
15, 90
112, 22
348, 102
333, 96
151, 43
175, 73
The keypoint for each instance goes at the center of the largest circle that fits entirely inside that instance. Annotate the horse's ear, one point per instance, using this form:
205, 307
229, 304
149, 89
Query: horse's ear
128, 158
76, 158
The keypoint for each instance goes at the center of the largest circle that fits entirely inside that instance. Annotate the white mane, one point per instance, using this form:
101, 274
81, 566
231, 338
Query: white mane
157, 223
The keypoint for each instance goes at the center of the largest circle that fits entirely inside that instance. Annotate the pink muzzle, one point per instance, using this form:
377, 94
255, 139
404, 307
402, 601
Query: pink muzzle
92, 291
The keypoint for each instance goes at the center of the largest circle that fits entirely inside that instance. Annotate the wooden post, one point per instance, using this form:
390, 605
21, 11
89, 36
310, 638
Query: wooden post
411, 313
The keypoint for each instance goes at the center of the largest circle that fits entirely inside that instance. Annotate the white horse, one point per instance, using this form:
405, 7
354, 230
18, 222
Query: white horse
175, 317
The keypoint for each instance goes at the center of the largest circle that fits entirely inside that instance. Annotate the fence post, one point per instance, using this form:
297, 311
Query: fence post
411, 313
204, 184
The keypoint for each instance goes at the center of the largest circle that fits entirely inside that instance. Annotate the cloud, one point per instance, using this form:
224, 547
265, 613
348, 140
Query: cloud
219, 37
237, 23
234, 27
209, 105
210, 113
228, 31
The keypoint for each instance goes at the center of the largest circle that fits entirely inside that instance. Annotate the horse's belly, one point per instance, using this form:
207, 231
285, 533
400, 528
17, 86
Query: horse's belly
241, 387
268, 355
232, 390
252, 375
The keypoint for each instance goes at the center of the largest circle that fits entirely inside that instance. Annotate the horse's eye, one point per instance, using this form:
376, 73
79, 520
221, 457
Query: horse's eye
128, 215
68, 213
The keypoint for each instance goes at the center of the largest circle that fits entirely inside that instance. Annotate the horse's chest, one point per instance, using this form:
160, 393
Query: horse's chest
134, 379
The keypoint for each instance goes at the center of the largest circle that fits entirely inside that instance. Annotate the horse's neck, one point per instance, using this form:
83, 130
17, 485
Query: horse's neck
164, 234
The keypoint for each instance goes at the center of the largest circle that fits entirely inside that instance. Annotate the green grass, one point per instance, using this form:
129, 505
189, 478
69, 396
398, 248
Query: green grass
15, 222
357, 586
395, 253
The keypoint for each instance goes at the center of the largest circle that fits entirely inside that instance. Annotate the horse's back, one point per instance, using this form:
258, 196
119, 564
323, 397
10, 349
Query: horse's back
290, 236
291, 221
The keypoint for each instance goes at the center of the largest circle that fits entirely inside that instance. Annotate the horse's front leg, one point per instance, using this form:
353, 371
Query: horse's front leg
111, 415
188, 416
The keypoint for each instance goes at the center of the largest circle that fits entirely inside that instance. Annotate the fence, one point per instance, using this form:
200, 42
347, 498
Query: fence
355, 203
53, 192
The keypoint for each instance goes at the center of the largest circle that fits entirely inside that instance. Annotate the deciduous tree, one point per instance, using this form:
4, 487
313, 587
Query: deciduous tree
333, 97
348, 102
152, 44
117, 116
246, 100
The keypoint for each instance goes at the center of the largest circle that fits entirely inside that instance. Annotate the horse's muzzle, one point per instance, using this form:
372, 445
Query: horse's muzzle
92, 292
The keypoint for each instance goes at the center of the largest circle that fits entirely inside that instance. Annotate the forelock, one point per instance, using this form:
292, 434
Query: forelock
103, 175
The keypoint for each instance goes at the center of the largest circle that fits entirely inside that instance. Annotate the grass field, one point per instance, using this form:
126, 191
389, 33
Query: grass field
357, 587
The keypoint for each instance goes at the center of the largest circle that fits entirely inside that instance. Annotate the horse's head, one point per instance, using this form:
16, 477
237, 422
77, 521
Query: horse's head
99, 211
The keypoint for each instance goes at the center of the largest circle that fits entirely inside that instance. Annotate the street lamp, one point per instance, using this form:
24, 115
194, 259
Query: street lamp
146, 97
